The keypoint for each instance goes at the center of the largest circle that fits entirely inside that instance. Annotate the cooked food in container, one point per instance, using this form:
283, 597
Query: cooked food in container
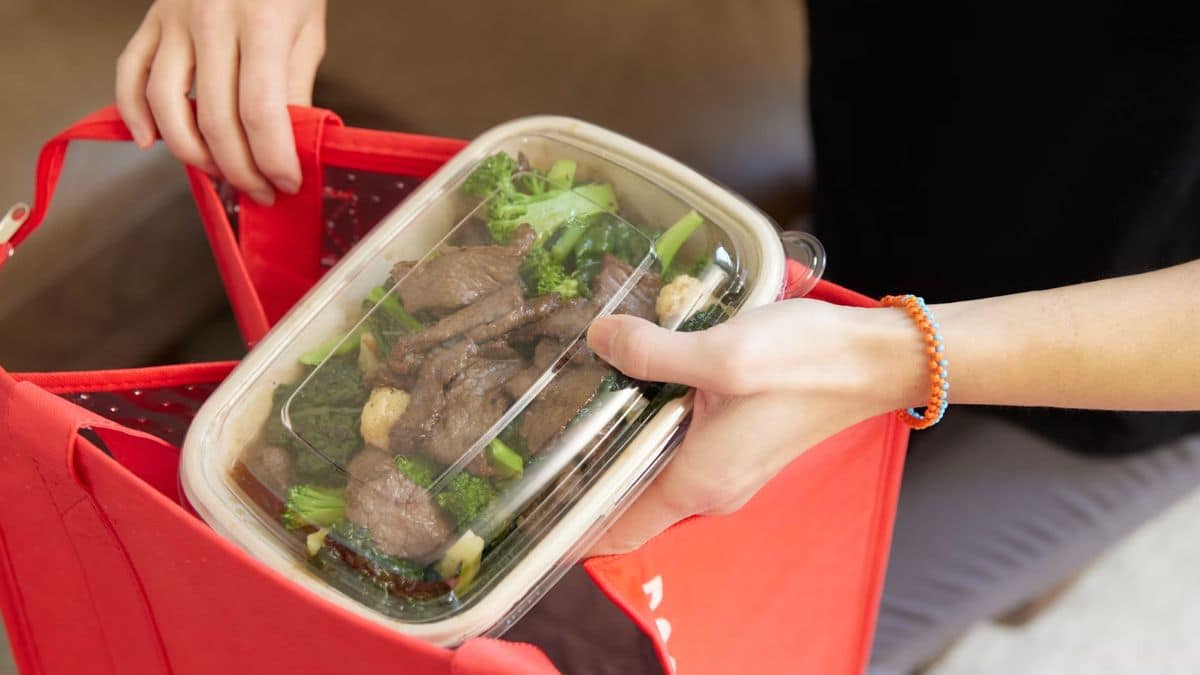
426, 438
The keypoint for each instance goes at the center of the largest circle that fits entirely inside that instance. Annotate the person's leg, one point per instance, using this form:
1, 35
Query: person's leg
992, 515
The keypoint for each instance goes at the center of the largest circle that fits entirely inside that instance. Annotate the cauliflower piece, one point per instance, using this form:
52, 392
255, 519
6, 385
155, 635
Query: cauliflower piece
383, 408
677, 297
368, 353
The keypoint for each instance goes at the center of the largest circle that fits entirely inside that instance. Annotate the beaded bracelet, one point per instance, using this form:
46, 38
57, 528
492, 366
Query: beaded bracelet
938, 378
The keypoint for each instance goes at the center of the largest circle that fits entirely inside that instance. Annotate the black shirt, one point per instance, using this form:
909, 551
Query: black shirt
968, 149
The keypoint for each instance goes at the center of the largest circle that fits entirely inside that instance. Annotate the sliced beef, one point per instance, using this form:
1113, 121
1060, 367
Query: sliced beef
499, 304
489, 320
532, 310
575, 316
566, 324
458, 277
544, 355
560, 401
428, 395
497, 350
272, 466
402, 518
474, 401
641, 298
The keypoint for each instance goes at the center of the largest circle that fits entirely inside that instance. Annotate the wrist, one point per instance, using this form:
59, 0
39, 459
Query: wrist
896, 366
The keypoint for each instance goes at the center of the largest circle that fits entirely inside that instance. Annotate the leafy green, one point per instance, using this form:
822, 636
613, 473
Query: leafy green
379, 564
324, 413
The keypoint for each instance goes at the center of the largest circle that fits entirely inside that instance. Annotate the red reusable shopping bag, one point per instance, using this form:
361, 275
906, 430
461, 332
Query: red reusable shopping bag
103, 570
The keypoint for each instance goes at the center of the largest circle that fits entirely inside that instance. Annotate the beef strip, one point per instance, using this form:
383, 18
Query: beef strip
272, 466
574, 317
458, 277
474, 401
544, 355
488, 320
496, 306
428, 396
641, 298
402, 518
561, 401
532, 310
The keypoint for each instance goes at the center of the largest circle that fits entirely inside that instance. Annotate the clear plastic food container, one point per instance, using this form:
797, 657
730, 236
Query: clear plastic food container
426, 439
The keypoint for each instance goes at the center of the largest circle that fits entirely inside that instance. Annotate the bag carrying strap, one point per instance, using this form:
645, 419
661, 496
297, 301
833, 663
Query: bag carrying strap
47, 507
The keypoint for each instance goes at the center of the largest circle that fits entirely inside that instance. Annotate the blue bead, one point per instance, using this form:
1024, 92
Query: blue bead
945, 385
939, 348
943, 363
937, 336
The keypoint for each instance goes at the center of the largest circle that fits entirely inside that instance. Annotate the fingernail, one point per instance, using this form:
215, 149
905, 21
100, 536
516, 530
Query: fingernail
288, 185
600, 336
263, 197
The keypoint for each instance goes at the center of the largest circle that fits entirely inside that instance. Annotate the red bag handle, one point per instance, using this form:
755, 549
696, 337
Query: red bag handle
279, 223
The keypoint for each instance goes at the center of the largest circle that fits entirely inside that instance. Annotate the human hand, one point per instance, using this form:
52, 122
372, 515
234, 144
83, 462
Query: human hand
247, 60
770, 383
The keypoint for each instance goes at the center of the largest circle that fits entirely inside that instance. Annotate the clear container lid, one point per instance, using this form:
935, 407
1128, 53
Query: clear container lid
426, 438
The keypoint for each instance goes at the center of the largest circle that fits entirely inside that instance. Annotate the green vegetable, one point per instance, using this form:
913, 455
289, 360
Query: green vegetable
542, 274
313, 505
390, 305
571, 233
701, 265
466, 497
417, 469
704, 319
548, 210
505, 458
528, 198
607, 234
669, 243
562, 173
379, 564
494, 175
324, 413
389, 321
332, 347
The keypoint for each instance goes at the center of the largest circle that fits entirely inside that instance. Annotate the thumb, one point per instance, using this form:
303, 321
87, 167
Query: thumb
645, 351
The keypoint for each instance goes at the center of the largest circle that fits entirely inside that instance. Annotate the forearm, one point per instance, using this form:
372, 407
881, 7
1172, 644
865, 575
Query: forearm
1131, 343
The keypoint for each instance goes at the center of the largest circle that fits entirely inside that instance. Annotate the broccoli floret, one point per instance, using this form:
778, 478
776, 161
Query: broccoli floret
313, 505
466, 497
417, 469
542, 274
548, 210
528, 198
494, 174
